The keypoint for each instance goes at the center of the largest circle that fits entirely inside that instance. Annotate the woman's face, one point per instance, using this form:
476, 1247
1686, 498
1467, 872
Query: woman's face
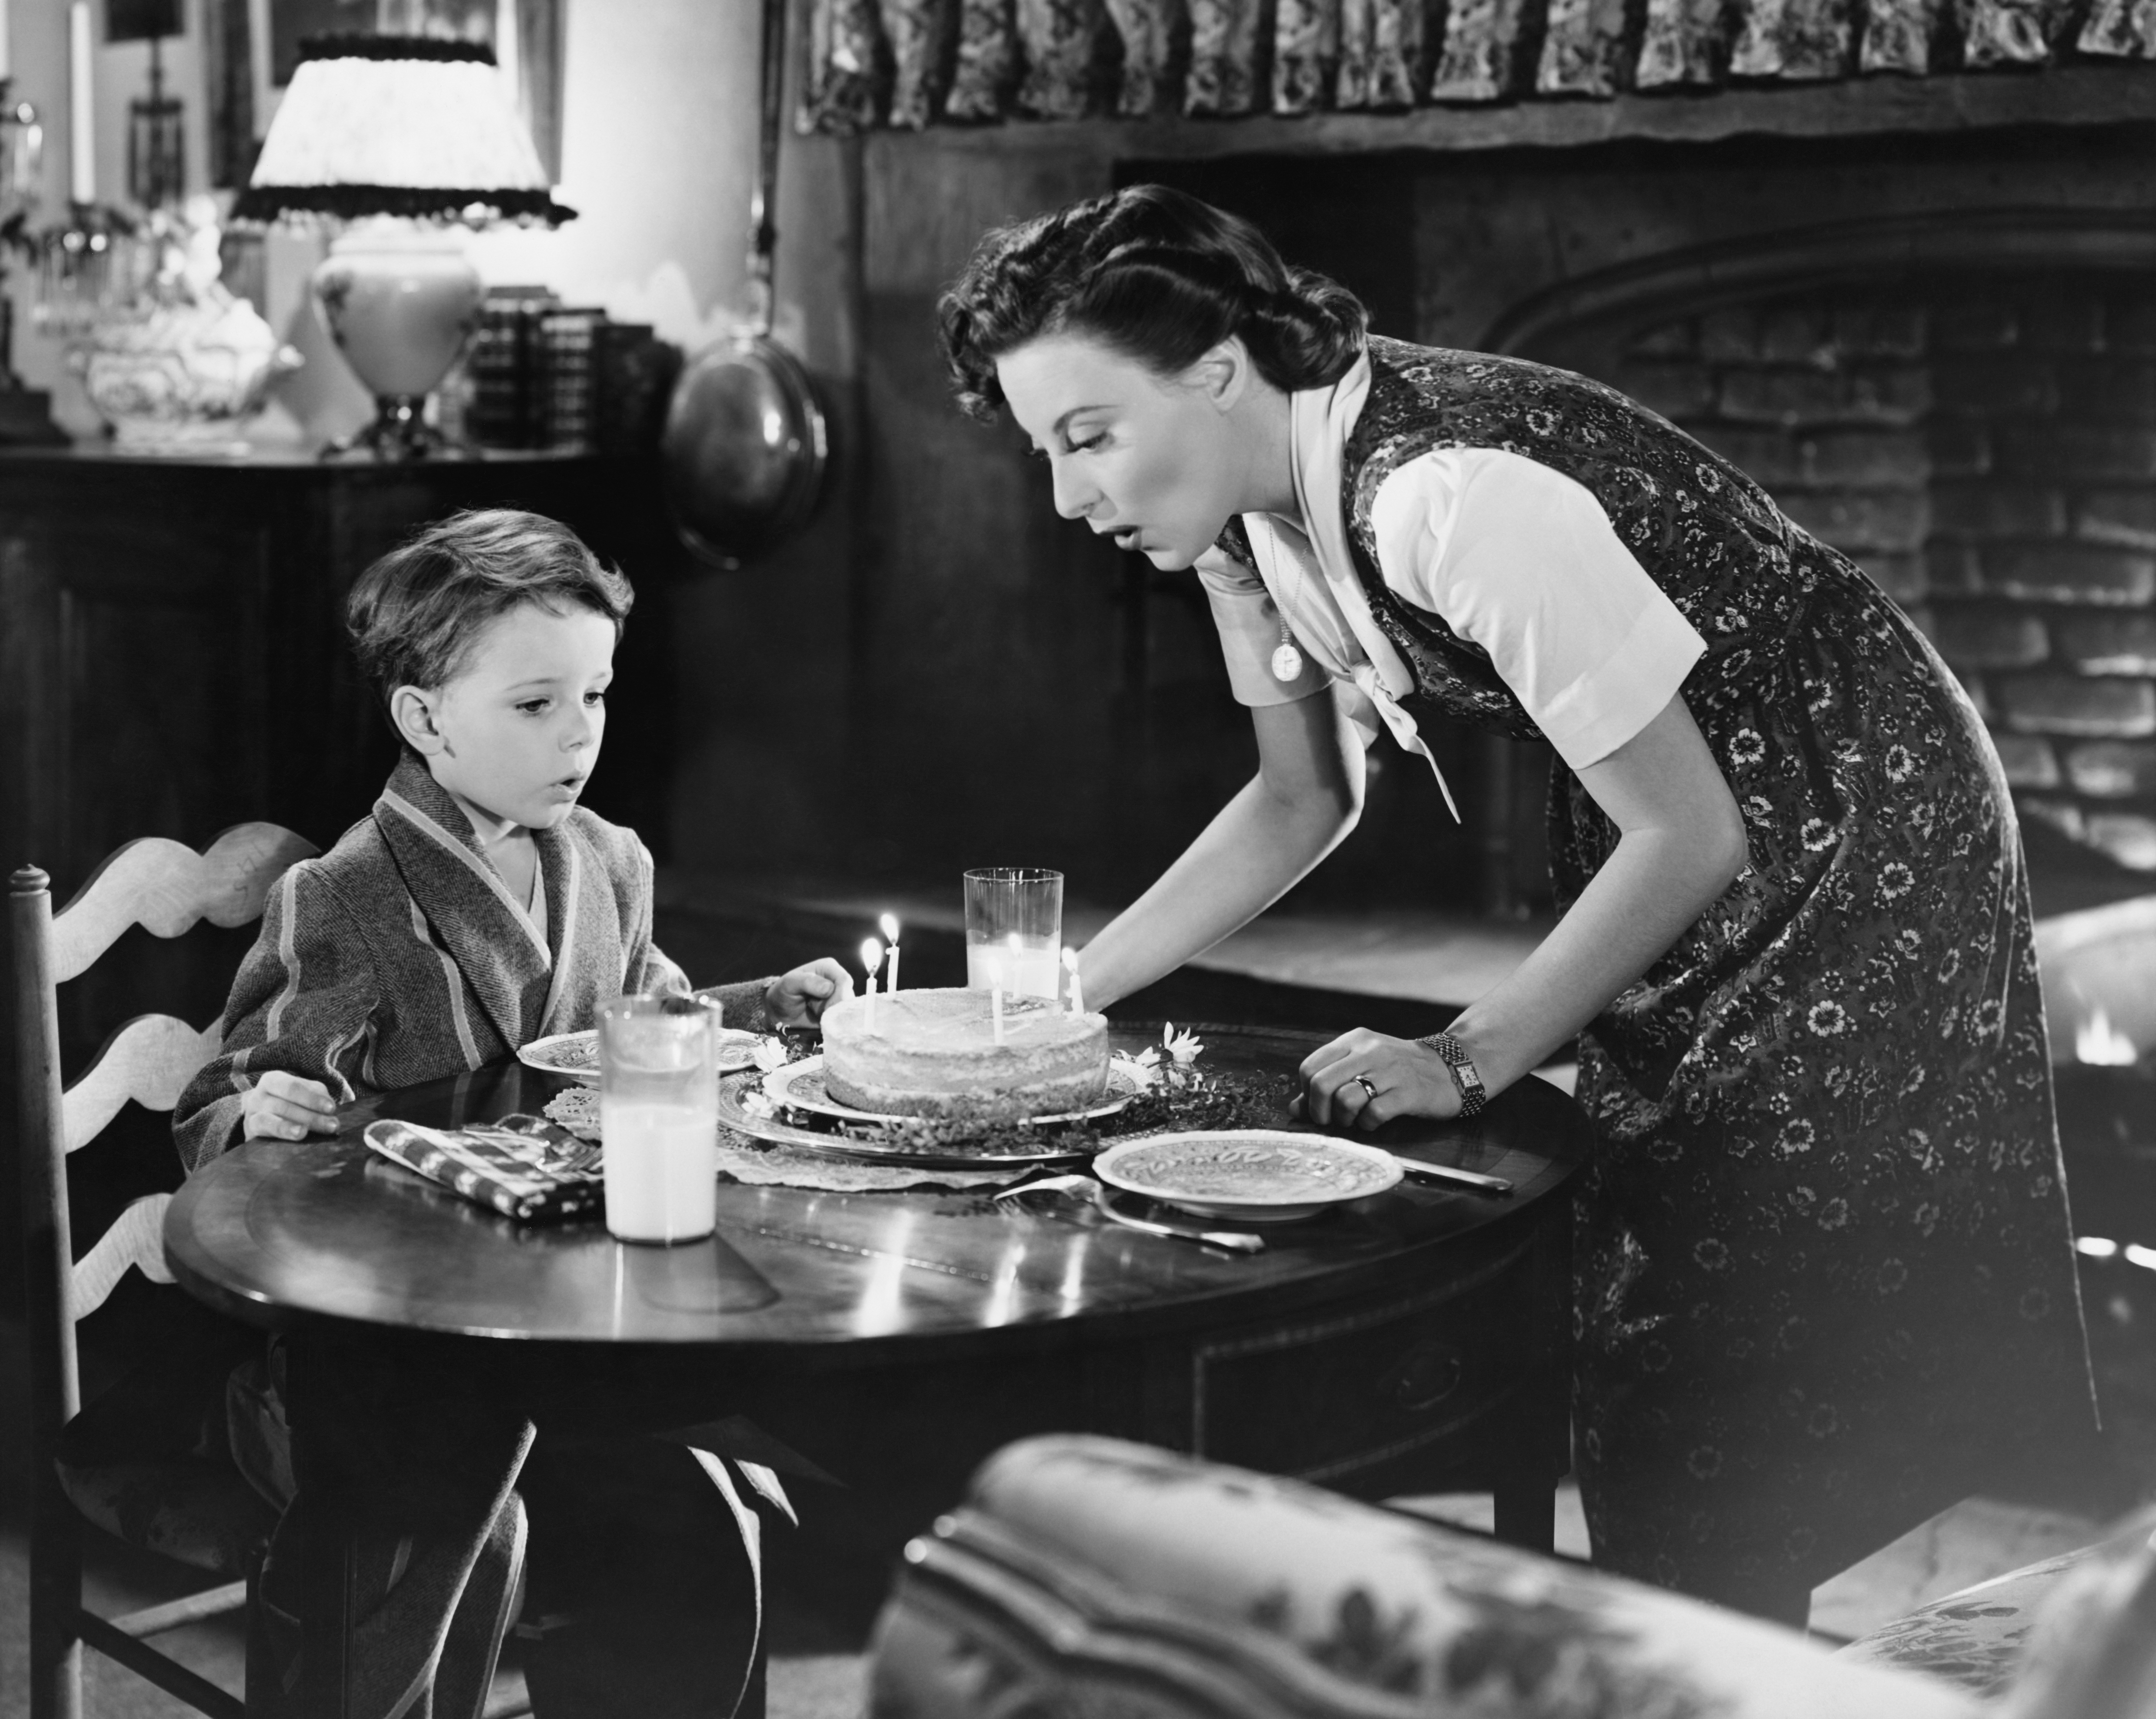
1154, 462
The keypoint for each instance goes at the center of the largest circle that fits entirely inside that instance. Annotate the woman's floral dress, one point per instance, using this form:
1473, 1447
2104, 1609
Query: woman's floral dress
1823, 1267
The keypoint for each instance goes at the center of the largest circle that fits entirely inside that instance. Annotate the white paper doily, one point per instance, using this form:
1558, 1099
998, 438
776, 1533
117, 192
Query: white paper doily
576, 1108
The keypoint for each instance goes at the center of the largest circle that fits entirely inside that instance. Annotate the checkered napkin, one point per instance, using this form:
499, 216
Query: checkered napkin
523, 1166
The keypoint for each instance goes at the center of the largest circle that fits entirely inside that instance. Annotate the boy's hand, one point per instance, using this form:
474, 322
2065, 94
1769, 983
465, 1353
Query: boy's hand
281, 1106
798, 998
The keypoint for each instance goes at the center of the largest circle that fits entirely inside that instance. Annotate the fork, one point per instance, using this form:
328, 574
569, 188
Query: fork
1227, 1240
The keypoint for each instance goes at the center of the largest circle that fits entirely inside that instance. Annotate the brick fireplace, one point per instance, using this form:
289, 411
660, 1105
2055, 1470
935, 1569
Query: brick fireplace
1986, 449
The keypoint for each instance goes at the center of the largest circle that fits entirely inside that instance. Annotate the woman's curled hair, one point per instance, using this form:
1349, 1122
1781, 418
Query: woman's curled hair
1154, 274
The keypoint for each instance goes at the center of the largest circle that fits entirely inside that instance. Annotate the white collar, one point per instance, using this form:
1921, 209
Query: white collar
1330, 614
1321, 419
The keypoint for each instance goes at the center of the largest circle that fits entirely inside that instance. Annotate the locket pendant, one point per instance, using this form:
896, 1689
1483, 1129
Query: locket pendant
1287, 660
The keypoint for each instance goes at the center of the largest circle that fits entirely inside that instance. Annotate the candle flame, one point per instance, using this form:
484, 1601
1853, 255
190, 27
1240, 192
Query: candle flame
2095, 1040
1070, 959
888, 921
871, 955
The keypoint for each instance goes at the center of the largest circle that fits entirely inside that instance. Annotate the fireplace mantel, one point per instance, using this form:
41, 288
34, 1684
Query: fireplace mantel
2072, 96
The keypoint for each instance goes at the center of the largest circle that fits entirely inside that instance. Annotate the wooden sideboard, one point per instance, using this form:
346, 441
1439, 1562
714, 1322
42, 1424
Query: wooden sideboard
172, 661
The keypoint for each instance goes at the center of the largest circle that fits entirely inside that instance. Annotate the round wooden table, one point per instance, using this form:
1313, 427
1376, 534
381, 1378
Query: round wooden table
1416, 1340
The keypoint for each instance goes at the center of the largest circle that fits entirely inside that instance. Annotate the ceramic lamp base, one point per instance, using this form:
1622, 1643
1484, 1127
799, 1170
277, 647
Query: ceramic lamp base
400, 303
400, 431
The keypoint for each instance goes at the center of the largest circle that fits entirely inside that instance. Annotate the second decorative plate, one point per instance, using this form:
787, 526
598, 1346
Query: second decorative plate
577, 1054
1250, 1175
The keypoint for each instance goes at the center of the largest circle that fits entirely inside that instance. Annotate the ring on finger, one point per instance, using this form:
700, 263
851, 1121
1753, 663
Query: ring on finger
1370, 1091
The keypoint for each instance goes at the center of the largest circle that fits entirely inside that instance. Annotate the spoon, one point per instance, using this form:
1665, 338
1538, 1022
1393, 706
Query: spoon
1227, 1240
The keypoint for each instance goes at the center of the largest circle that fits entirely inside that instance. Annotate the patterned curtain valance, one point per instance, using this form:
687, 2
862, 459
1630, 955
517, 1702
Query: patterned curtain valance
913, 63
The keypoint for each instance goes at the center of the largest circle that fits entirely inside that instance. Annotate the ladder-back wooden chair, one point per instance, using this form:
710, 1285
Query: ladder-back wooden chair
194, 1514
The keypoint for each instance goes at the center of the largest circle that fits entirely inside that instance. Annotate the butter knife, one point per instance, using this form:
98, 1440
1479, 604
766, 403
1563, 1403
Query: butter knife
1475, 1179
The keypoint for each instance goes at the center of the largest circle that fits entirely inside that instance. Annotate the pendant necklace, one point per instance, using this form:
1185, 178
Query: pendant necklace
1287, 658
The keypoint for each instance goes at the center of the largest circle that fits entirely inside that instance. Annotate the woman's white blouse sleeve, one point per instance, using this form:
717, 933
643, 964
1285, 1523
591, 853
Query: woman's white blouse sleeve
1521, 560
1249, 626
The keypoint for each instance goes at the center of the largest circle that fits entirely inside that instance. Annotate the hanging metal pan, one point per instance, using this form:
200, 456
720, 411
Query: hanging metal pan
745, 446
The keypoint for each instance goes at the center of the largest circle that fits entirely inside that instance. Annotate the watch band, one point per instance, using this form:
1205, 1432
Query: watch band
1461, 1068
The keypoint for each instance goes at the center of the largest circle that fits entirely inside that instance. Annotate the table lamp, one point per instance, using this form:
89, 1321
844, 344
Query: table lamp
394, 141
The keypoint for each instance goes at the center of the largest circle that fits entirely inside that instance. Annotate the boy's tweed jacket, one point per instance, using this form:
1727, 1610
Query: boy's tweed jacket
399, 956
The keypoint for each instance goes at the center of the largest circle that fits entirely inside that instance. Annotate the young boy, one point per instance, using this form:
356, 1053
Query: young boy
480, 907
477, 909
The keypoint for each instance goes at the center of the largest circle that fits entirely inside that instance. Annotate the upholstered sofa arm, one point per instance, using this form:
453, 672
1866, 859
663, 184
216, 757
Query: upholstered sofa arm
1085, 1576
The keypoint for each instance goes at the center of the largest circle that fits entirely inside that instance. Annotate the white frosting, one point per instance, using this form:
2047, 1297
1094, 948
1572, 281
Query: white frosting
933, 1051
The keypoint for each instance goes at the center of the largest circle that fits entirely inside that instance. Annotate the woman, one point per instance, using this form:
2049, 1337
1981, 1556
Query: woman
1824, 1271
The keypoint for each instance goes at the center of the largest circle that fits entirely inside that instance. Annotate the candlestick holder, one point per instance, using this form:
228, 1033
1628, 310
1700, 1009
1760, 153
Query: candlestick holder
25, 413
157, 135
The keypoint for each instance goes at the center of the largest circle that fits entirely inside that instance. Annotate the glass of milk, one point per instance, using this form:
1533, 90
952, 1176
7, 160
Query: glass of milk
658, 1118
1014, 926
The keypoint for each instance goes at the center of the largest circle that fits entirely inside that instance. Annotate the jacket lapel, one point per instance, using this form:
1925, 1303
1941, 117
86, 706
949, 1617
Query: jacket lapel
560, 859
487, 933
584, 927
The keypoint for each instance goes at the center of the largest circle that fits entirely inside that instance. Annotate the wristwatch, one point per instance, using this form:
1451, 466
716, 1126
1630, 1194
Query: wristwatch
1461, 1067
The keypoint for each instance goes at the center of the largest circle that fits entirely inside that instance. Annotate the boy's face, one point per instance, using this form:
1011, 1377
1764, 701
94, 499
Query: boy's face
516, 730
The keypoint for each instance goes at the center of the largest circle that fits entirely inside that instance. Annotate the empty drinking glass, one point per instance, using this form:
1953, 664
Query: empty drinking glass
658, 1118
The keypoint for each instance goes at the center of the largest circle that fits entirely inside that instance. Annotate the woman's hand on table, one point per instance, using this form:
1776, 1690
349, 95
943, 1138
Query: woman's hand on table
1363, 1079
799, 998
282, 1106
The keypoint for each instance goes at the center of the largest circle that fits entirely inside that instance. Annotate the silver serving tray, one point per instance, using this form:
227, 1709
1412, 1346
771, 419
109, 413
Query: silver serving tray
866, 1147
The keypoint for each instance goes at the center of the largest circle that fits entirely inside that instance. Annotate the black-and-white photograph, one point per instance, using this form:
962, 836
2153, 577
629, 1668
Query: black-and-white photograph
1078, 859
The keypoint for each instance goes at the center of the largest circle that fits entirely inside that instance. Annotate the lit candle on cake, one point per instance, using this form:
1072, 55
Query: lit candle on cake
890, 923
871, 959
1077, 993
996, 995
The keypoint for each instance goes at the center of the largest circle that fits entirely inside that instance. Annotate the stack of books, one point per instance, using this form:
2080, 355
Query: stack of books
504, 406
540, 373
565, 377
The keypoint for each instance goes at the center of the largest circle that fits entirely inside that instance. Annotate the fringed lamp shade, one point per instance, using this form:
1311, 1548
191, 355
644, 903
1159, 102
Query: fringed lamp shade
415, 126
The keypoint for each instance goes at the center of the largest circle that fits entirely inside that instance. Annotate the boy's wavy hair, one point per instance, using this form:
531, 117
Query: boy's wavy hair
414, 614
1157, 276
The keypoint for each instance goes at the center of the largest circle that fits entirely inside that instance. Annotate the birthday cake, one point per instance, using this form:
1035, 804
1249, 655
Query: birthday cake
934, 1053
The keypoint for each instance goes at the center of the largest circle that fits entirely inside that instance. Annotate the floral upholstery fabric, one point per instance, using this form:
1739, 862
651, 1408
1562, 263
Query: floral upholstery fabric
1087, 1577
1823, 1238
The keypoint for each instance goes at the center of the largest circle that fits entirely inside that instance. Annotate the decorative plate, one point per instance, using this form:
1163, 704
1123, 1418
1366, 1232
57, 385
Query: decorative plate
577, 1054
1251, 1175
799, 1086
744, 1108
